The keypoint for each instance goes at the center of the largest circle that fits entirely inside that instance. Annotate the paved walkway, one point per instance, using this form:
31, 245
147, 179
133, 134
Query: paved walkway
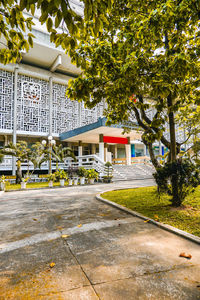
99, 252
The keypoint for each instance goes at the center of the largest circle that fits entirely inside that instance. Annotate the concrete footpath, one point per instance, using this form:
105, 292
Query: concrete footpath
65, 244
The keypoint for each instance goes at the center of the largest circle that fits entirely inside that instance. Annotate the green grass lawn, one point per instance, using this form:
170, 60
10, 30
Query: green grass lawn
145, 201
33, 185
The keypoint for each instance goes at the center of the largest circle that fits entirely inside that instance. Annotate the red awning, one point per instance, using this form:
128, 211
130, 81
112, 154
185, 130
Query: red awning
115, 140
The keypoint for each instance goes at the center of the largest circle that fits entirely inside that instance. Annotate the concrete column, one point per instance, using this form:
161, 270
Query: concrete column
101, 147
50, 104
160, 148
145, 150
115, 151
128, 152
93, 149
14, 140
105, 152
80, 148
184, 137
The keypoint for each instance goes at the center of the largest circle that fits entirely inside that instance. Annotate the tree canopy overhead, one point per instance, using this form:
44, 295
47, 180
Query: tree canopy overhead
65, 24
145, 64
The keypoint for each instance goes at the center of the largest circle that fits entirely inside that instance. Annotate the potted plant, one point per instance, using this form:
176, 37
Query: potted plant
108, 170
75, 180
51, 178
24, 182
61, 175
82, 172
70, 175
92, 175
2, 183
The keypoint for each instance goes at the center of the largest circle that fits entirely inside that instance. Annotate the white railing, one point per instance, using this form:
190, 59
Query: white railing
86, 161
6, 165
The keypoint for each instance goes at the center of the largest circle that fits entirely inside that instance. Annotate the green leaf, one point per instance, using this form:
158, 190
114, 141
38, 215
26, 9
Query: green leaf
30, 40
49, 23
58, 19
32, 9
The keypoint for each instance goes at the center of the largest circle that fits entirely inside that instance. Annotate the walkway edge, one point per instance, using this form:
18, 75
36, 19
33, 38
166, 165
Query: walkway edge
166, 227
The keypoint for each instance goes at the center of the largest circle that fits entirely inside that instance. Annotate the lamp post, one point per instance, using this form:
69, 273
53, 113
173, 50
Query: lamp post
51, 142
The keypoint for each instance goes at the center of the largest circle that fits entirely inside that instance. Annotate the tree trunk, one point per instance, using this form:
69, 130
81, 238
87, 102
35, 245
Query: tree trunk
18, 173
176, 201
152, 156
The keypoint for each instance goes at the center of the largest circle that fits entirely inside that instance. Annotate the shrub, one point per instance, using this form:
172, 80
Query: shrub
60, 174
82, 172
92, 174
188, 179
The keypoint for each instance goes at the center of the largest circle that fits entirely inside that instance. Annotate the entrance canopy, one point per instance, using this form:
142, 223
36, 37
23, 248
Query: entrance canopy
90, 133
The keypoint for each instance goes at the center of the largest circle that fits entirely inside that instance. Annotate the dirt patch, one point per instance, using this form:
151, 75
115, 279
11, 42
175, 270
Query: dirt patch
182, 207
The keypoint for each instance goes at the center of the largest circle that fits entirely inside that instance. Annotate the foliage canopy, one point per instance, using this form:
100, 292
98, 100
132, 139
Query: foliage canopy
145, 65
65, 23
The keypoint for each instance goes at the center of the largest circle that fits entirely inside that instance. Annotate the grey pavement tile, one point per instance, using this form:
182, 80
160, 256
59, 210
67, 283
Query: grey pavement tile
115, 253
26, 272
173, 285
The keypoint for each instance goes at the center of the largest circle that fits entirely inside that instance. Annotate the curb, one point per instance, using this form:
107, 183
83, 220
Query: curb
166, 227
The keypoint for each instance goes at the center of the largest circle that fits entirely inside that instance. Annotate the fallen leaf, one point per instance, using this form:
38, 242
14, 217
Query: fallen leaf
104, 215
59, 227
65, 236
146, 221
79, 225
34, 219
188, 256
52, 264
156, 218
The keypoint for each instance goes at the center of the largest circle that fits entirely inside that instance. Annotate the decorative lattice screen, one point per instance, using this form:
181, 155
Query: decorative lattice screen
32, 104
6, 99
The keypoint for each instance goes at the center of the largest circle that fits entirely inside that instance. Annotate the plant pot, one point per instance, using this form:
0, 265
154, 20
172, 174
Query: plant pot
51, 183
91, 180
82, 180
107, 180
23, 185
62, 182
70, 181
75, 181
2, 186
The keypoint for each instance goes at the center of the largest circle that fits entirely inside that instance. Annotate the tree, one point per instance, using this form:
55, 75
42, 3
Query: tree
22, 154
64, 23
145, 65
38, 155
59, 153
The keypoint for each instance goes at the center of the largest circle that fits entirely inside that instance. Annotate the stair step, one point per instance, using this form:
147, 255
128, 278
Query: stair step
136, 171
